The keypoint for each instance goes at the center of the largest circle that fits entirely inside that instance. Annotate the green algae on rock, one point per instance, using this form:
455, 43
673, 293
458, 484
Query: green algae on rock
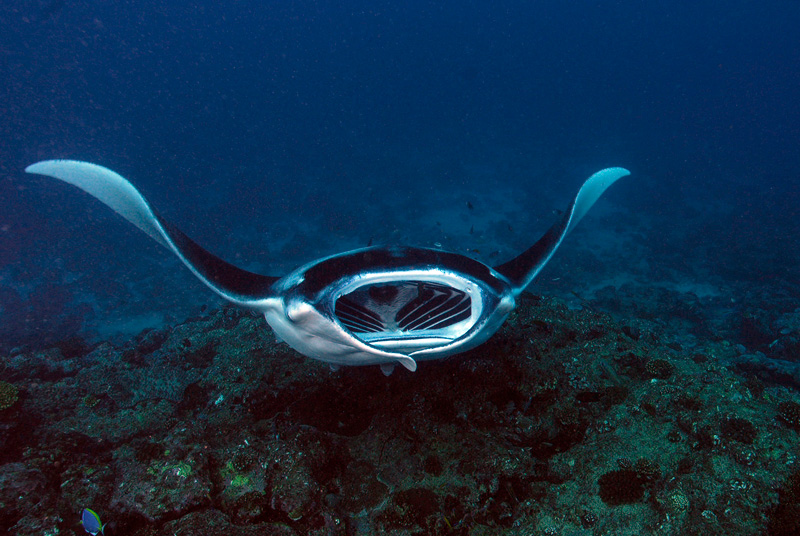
9, 394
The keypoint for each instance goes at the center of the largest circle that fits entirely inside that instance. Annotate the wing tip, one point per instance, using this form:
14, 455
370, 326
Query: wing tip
58, 166
606, 177
617, 169
37, 168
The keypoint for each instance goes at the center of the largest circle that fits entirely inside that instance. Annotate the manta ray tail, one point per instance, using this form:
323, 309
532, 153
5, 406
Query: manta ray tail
232, 283
524, 268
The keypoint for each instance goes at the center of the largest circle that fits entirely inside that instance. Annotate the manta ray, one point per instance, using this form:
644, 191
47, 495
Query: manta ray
371, 306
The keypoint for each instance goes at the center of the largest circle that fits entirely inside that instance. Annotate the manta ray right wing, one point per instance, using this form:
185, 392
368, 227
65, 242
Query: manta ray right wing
232, 283
521, 270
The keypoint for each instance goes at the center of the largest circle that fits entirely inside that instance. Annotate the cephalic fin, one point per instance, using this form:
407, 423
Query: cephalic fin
408, 362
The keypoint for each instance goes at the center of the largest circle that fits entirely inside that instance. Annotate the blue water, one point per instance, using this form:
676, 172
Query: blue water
278, 132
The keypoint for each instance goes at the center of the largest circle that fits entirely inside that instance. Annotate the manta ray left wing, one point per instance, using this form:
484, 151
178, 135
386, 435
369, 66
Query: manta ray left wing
232, 283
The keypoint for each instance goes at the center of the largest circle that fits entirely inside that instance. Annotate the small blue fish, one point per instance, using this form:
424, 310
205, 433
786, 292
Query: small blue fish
91, 522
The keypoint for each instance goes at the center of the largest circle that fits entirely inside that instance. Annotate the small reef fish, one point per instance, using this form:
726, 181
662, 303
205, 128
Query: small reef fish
91, 522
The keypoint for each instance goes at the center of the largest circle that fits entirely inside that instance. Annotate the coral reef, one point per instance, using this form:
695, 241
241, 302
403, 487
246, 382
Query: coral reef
789, 412
785, 516
566, 422
620, 487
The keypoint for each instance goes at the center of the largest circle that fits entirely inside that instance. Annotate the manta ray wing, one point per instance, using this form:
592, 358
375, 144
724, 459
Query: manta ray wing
232, 283
521, 270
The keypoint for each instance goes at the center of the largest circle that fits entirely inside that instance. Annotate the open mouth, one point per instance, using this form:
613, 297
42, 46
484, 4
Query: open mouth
406, 314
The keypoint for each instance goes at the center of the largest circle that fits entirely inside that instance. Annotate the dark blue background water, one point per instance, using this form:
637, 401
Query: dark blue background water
246, 121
